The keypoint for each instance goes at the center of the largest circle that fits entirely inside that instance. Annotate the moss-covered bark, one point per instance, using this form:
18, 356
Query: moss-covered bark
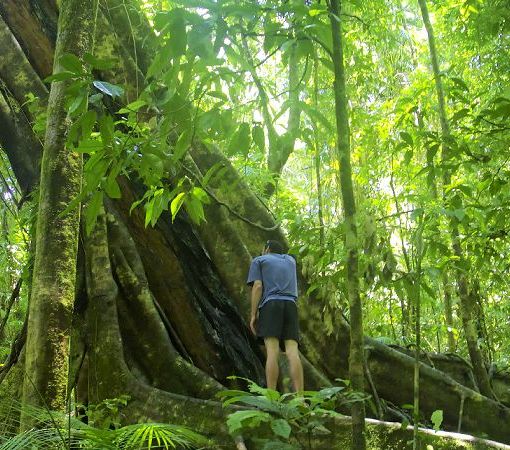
53, 288
19, 143
15, 69
356, 356
35, 25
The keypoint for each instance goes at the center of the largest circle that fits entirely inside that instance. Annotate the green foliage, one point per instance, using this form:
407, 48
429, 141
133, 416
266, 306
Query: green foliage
103, 431
289, 420
106, 415
437, 419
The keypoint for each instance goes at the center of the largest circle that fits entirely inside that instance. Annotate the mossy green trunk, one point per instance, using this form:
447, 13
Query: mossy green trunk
356, 357
53, 288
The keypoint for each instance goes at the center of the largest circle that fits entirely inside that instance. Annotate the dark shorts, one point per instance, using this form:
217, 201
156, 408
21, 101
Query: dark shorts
278, 318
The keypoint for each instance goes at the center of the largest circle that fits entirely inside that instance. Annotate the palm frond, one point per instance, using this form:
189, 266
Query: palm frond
157, 436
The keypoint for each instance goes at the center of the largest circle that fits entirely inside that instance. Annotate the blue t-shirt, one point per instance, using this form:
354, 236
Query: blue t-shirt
278, 275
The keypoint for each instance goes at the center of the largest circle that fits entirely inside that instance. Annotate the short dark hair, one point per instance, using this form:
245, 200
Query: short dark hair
274, 246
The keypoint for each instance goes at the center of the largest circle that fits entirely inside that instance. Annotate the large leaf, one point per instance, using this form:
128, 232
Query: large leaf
253, 418
112, 90
60, 76
92, 211
240, 142
106, 128
182, 145
257, 133
281, 428
71, 63
99, 63
178, 34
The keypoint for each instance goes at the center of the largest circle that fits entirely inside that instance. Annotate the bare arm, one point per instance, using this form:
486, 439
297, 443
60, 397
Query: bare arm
256, 294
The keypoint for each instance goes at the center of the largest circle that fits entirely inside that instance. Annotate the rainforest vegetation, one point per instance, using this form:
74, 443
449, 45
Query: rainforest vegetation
149, 149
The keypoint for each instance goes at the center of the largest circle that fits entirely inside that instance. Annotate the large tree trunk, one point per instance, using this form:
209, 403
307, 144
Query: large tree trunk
53, 285
188, 283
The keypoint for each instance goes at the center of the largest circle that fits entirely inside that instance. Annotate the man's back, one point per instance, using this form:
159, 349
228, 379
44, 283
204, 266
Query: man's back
278, 275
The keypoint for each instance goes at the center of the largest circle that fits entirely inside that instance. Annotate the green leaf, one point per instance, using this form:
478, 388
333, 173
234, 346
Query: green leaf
179, 36
315, 12
254, 418
81, 128
87, 121
182, 145
215, 171
71, 63
218, 94
112, 90
407, 138
279, 445
92, 211
89, 146
199, 40
200, 194
316, 116
60, 76
327, 63
460, 83
437, 419
281, 428
257, 134
99, 63
176, 204
111, 186
132, 107
240, 142
96, 99
460, 114
459, 213
78, 102
106, 128
194, 208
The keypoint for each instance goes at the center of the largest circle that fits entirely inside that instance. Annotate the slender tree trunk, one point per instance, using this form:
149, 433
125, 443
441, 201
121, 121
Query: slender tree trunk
466, 300
447, 290
356, 357
416, 281
14, 296
317, 155
53, 289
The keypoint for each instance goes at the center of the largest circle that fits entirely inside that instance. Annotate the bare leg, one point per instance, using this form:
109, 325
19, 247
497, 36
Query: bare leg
296, 368
273, 350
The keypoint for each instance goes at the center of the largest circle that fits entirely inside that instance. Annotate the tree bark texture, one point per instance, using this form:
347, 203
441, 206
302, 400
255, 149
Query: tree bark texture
188, 283
53, 285
356, 357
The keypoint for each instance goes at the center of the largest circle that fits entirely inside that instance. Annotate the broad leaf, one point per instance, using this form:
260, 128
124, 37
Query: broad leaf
176, 204
112, 90
71, 63
281, 428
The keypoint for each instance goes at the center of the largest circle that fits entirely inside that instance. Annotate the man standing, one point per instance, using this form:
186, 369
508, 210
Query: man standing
274, 315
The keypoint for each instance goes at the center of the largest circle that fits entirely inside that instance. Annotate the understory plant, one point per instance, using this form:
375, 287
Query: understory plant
58, 431
287, 421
